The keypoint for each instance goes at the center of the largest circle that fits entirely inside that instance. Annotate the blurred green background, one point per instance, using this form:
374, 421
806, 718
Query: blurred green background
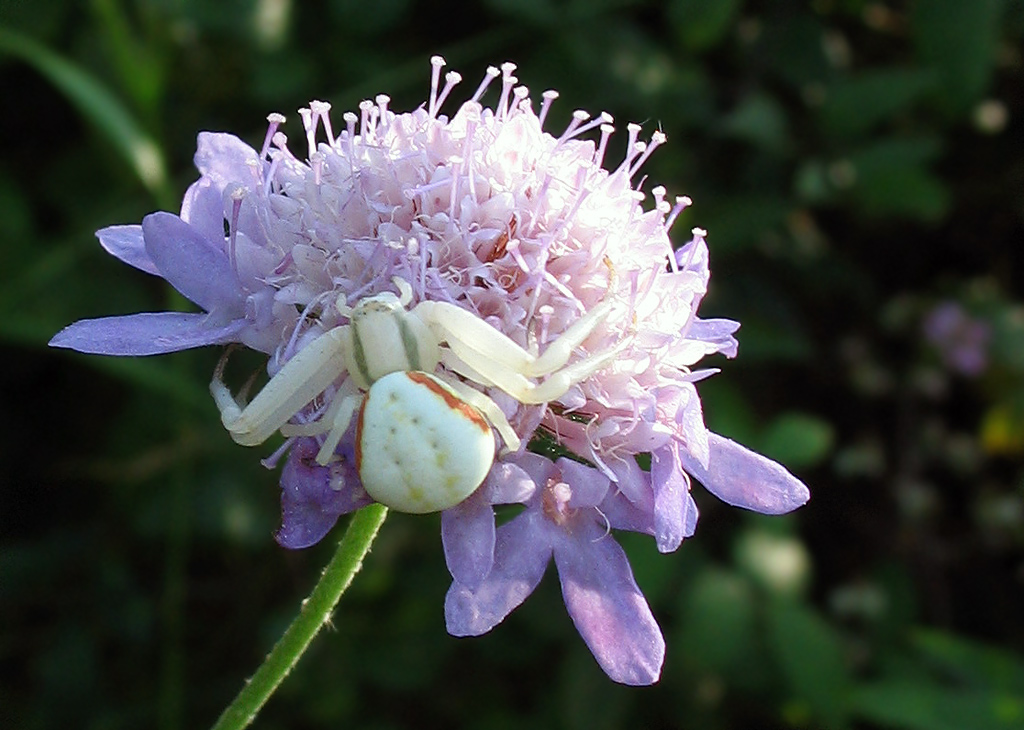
860, 168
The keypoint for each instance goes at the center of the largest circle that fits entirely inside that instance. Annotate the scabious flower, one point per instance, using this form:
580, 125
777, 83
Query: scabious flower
529, 232
960, 339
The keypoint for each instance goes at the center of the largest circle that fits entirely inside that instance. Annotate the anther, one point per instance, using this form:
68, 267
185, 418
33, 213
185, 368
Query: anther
275, 120
489, 76
450, 80
548, 97
435, 74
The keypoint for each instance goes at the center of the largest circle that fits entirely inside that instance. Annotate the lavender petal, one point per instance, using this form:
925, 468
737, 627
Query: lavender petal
225, 159
192, 264
742, 478
468, 536
675, 512
310, 507
718, 331
521, 555
608, 609
149, 333
126, 243
203, 209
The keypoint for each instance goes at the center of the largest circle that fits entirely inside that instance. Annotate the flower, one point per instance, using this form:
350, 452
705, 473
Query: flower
960, 339
531, 234
570, 510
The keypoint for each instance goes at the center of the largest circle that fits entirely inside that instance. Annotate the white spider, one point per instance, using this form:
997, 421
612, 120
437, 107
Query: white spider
423, 440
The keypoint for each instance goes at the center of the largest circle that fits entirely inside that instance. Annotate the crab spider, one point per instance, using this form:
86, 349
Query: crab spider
423, 440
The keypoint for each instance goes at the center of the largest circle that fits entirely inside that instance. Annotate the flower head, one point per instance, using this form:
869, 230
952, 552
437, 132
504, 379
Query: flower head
531, 283
960, 339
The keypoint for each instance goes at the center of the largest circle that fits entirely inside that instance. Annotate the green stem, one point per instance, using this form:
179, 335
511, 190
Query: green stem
316, 611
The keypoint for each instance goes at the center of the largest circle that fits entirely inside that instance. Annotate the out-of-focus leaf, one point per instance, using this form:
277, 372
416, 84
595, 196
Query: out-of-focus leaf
925, 706
855, 105
812, 183
958, 39
134, 57
727, 411
895, 151
362, 17
700, 25
890, 178
811, 660
971, 661
718, 629
798, 440
96, 103
903, 191
760, 120
792, 45
741, 221
1008, 338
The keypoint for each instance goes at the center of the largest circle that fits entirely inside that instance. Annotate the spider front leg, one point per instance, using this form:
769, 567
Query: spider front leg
302, 379
503, 363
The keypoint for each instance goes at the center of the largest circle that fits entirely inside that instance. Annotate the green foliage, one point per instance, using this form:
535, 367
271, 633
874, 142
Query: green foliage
960, 41
811, 659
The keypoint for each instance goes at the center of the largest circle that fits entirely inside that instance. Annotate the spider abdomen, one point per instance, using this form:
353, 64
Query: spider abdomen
420, 447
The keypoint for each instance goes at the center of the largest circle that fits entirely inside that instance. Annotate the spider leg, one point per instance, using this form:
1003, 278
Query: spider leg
490, 410
492, 358
302, 378
339, 424
462, 331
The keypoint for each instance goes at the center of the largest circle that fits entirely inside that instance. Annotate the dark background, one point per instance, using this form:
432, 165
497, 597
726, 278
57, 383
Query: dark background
859, 168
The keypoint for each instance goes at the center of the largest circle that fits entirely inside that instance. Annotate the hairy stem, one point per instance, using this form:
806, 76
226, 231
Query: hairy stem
316, 611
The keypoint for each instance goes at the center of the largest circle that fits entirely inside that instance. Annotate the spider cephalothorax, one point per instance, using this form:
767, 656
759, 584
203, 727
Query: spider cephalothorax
423, 438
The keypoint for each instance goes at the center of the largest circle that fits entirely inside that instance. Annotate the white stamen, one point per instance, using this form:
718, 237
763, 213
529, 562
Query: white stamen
321, 111
522, 96
548, 97
382, 109
275, 120
606, 132
281, 142
682, 203
308, 123
507, 82
436, 63
366, 109
350, 134
657, 139
450, 80
489, 76
578, 117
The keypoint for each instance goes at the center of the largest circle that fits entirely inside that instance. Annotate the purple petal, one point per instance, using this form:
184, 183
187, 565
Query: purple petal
508, 483
468, 535
675, 512
521, 555
126, 243
149, 333
192, 264
538, 468
633, 482
589, 486
622, 514
717, 331
224, 158
309, 505
608, 609
203, 209
742, 478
